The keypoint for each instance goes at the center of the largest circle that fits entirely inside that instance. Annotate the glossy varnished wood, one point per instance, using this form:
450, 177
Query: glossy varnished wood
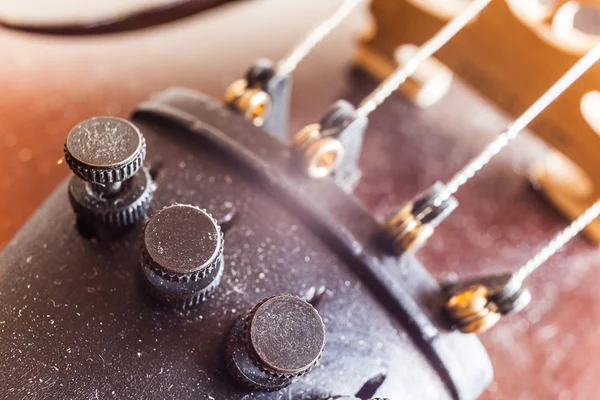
51, 83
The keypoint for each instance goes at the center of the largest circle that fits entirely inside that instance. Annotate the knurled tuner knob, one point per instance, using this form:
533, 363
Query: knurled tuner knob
111, 188
182, 255
105, 150
280, 339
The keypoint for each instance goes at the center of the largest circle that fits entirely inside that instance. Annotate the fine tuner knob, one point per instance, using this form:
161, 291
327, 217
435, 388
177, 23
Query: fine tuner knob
111, 188
105, 150
182, 255
280, 339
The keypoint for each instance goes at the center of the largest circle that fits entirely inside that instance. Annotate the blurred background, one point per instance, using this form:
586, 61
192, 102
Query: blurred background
51, 82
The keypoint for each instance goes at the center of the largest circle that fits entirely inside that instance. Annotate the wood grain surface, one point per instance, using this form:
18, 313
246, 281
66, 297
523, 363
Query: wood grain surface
51, 83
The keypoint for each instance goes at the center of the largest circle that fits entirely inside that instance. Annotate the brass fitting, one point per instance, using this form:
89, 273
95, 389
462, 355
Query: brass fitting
318, 155
253, 103
411, 227
406, 231
471, 310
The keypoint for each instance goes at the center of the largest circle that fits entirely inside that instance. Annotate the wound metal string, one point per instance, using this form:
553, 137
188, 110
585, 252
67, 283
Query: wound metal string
557, 243
387, 87
502, 140
289, 63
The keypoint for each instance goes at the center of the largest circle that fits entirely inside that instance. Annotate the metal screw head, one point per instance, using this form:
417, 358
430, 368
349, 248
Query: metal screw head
323, 156
256, 106
253, 103
318, 155
105, 150
285, 335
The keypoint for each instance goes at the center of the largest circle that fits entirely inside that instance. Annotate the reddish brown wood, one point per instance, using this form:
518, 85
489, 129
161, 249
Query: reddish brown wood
51, 83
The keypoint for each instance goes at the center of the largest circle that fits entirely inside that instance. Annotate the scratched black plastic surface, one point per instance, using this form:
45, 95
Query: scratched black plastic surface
75, 322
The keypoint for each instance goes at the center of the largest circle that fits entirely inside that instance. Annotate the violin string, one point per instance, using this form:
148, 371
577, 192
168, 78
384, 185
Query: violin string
502, 140
289, 63
389, 85
557, 243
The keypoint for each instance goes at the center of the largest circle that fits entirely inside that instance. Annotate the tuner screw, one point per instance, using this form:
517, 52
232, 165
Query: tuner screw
249, 96
279, 340
409, 228
472, 311
110, 188
317, 155
253, 103
182, 255
476, 304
